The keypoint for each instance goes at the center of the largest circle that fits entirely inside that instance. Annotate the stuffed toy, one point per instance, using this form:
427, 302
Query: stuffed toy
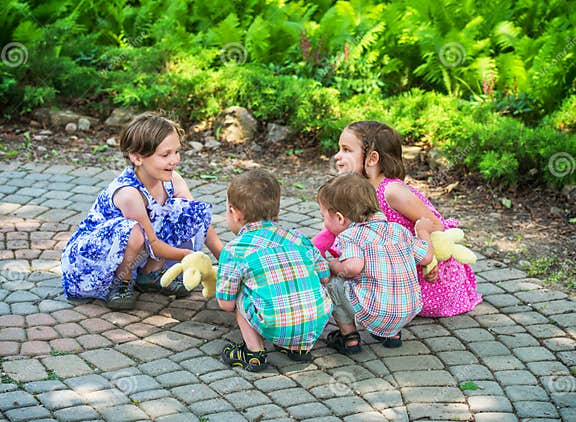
197, 268
324, 242
445, 244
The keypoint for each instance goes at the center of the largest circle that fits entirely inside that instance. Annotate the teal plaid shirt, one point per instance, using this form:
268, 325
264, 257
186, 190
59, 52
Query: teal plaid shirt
274, 274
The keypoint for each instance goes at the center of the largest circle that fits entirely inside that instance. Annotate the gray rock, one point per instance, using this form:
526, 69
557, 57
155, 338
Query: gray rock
119, 118
236, 125
112, 142
437, 161
71, 127
569, 191
83, 124
277, 133
411, 152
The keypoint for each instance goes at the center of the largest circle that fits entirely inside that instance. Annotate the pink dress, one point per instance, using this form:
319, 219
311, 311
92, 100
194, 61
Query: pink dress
455, 290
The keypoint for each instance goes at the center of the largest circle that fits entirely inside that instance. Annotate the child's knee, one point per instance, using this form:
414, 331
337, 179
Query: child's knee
136, 239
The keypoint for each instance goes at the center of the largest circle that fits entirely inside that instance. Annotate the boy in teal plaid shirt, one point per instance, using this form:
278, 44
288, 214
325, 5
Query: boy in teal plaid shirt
269, 276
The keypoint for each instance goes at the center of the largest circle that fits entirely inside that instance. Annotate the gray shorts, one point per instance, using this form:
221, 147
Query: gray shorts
343, 311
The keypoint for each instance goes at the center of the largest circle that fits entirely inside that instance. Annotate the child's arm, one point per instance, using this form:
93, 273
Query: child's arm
213, 242
348, 268
423, 228
409, 205
227, 305
130, 202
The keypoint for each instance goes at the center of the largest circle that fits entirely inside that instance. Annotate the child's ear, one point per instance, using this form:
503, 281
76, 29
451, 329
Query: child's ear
236, 214
135, 159
341, 219
372, 159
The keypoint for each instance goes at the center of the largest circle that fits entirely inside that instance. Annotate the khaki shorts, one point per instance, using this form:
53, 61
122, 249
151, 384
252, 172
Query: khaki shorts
343, 311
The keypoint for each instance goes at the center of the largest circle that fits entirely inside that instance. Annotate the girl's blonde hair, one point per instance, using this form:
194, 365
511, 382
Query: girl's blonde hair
145, 132
386, 141
350, 194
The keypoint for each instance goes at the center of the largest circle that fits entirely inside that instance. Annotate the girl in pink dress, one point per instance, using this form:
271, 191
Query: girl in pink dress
374, 150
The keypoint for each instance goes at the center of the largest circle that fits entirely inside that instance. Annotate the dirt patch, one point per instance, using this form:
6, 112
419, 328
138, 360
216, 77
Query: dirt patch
532, 229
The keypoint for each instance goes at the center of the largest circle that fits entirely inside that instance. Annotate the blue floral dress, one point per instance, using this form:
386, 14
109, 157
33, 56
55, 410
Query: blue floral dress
95, 251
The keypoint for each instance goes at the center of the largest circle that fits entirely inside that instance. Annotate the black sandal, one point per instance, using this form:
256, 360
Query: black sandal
341, 342
295, 355
389, 342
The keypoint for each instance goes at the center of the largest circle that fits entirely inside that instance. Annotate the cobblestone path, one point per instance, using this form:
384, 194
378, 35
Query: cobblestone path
512, 359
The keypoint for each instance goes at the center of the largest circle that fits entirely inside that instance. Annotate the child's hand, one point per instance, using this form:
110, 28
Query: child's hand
431, 274
423, 227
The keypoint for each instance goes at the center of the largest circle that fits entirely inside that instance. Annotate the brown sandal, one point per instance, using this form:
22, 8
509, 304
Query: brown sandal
341, 342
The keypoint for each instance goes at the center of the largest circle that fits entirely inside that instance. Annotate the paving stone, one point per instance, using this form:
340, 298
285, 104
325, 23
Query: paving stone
188, 354
535, 409
120, 319
309, 379
384, 399
143, 351
175, 379
489, 348
125, 412
60, 399
450, 411
267, 411
308, 410
409, 363
76, 414
88, 383
159, 367
473, 334
70, 329
16, 399
343, 406
13, 334
520, 285
105, 398
207, 407
560, 343
107, 359
162, 407
291, 397
362, 417
540, 295
202, 365
424, 378
194, 392
409, 348
502, 274
26, 414
489, 404
502, 363
65, 345
230, 385
495, 417
249, 398
173, 341
532, 354
225, 417
547, 368
40, 319
526, 393
278, 382
34, 348
218, 375
38, 387
518, 340
25, 370
565, 320
471, 373
91, 310
457, 358
119, 336
430, 395
9, 348
199, 330
93, 341
67, 366
442, 344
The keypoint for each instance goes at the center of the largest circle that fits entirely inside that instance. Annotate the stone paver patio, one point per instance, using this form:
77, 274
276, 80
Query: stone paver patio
512, 359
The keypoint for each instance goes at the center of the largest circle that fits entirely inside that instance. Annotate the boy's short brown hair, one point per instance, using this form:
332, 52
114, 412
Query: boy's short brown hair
256, 194
350, 194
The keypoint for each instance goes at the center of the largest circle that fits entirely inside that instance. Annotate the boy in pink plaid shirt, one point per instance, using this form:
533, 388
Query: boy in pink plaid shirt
376, 280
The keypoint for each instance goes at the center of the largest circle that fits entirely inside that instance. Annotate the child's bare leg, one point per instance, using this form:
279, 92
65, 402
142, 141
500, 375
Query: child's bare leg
133, 248
252, 338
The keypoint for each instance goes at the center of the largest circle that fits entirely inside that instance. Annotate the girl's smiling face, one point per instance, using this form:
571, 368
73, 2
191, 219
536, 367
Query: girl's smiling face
349, 157
161, 164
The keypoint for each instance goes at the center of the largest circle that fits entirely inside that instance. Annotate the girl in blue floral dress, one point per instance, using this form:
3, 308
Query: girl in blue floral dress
145, 216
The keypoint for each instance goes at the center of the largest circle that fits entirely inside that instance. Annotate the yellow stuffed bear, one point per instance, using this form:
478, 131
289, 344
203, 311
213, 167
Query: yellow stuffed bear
446, 247
197, 267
